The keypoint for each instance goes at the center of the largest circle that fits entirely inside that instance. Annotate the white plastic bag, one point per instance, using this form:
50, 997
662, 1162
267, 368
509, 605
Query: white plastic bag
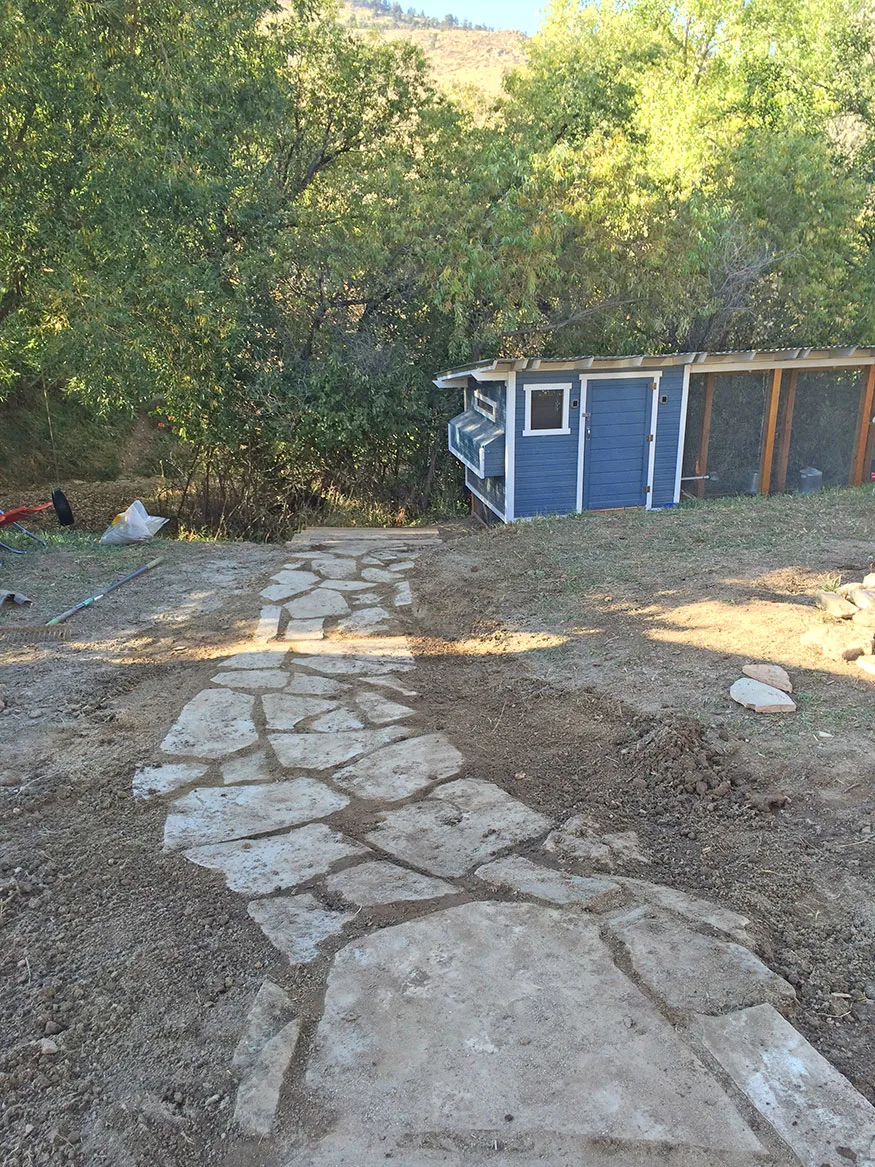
134, 525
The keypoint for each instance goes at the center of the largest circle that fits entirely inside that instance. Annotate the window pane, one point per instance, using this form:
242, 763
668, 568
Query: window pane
547, 409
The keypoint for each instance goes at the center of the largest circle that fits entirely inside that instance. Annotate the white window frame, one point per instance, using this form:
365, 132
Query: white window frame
565, 386
485, 406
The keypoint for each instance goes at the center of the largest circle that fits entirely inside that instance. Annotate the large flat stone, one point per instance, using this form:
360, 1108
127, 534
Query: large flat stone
761, 698
380, 709
345, 585
769, 674
814, 1109
544, 883
581, 839
214, 723
390, 682
335, 566
384, 883
315, 686
403, 595
374, 648
364, 620
250, 768
317, 605
297, 925
285, 710
151, 781
271, 1010
305, 629
268, 624
250, 678
694, 972
460, 826
290, 583
212, 814
399, 770
259, 1091
324, 751
350, 666
697, 911
267, 656
435, 1030
378, 576
336, 721
262, 866
835, 605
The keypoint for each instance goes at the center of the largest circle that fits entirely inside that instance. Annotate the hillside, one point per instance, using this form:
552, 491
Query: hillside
459, 55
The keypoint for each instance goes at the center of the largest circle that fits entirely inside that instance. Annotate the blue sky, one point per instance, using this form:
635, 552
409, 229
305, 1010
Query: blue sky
518, 14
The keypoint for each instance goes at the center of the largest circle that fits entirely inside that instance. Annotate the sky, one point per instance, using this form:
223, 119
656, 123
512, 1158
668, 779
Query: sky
523, 15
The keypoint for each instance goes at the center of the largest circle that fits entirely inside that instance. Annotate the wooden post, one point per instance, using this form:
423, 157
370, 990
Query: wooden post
704, 436
769, 432
786, 431
864, 426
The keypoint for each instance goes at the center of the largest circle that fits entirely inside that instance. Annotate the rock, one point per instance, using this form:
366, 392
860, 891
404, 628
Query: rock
863, 598
845, 642
251, 768
259, 1091
351, 666
769, 674
214, 723
869, 580
380, 710
378, 576
365, 620
694, 972
214, 814
334, 566
150, 781
262, 866
271, 1010
289, 583
337, 721
459, 826
345, 585
317, 605
864, 618
867, 664
297, 925
250, 678
305, 629
401, 769
284, 711
324, 751
692, 908
267, 656
835, 605
48, 1048
556, 887
811, 1106
403, 595
308, 685
369, 884
761, 698
580, 839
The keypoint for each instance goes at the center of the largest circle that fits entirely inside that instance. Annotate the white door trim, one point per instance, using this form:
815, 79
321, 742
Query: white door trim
682, 433
510, 448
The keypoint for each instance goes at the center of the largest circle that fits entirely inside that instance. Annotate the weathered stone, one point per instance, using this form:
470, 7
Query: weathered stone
315, 686
289, 583
864, 618
297, 925
812, 1107
317, 604
844, 642
835, 605
557, 887
324, 751
384, 883
580, 838
268, 624
351, 666
271, 1010
345, 585
214, 723
403, 595
250, 678
285, 710
259, 1091
267, 656
365, 620
305, 629
363, 599
378, 576
337, 721
335, 567
380, 710
691, 971
261, 866
869, 580
692, 908
375, 648
769, 674
391, 683
862, 598
402, 565
761, 698
867, 664
250, 768
459, 826
212, 814
434, 1031
150, 781
399, 770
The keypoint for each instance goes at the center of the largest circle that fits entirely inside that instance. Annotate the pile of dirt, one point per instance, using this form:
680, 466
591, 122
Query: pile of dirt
682, 756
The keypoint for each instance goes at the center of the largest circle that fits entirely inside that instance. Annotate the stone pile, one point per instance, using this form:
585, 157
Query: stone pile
848, 631
764, 688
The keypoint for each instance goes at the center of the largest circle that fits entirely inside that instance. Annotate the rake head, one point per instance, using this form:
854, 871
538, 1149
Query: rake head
34, 634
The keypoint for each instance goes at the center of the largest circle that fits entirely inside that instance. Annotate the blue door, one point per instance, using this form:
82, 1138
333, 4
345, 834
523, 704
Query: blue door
616, 447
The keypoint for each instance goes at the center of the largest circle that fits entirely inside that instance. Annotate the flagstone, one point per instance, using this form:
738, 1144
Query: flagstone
364, 620
250, 678
297, 925
309, 685
284, 710
335, 566
151, 781
390, 683
250, 768
403, 595
323, 751
316, 604
354, 666
259, 1091
403, 565
279, 862
268, 624
337, 721
345, 585
378, 575
302, 580
380, 710
382, 882
402, 769
213, 814
305, 629
266, 657
544, 883
214, 723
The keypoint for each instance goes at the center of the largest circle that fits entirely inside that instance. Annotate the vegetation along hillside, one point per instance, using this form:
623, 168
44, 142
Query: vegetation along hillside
265, 232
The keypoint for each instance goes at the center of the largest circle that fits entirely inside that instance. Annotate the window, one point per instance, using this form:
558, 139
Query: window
485, 405
546, 410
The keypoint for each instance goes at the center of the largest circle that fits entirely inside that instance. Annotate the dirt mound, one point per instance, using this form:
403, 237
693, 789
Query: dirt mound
681, 755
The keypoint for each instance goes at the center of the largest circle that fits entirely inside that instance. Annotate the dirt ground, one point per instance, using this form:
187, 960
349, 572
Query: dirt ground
581, 664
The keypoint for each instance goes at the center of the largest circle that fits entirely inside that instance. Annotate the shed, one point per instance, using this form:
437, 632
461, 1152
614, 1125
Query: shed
539, 436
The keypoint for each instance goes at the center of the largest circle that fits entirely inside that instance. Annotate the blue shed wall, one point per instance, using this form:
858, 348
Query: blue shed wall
546, 467
668, 428
491, 490
495, 391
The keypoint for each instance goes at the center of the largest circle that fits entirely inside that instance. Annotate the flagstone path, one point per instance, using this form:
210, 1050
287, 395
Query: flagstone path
538, 1008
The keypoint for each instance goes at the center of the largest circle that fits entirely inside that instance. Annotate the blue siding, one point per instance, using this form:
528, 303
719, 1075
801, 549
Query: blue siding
472, 435
490, 489
616, 454
546, 467
495, 391
668, 428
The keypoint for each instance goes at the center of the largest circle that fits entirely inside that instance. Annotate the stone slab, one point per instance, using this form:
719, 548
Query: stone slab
259, 1091
336, 721
363, 621
250, 768
391, 683
250, 678
401, 769
835, 605
289, 583
403, 595
335, 566
694, 972
351, 666
814, 1109
365, 598
761, 698
557, 887
434, 1030
265, 657
324, 751
369, 884
380, 709
297, 925
268, 624
213, 724
458, 827
839, 641
271, 1010
151, 781
375, 648
379, 575
212, 814
867, 664
698, 911
581, 839
317, 605
769, 674
285, 710
402, 565
305, 629
345, 585
309, 685
261, 866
